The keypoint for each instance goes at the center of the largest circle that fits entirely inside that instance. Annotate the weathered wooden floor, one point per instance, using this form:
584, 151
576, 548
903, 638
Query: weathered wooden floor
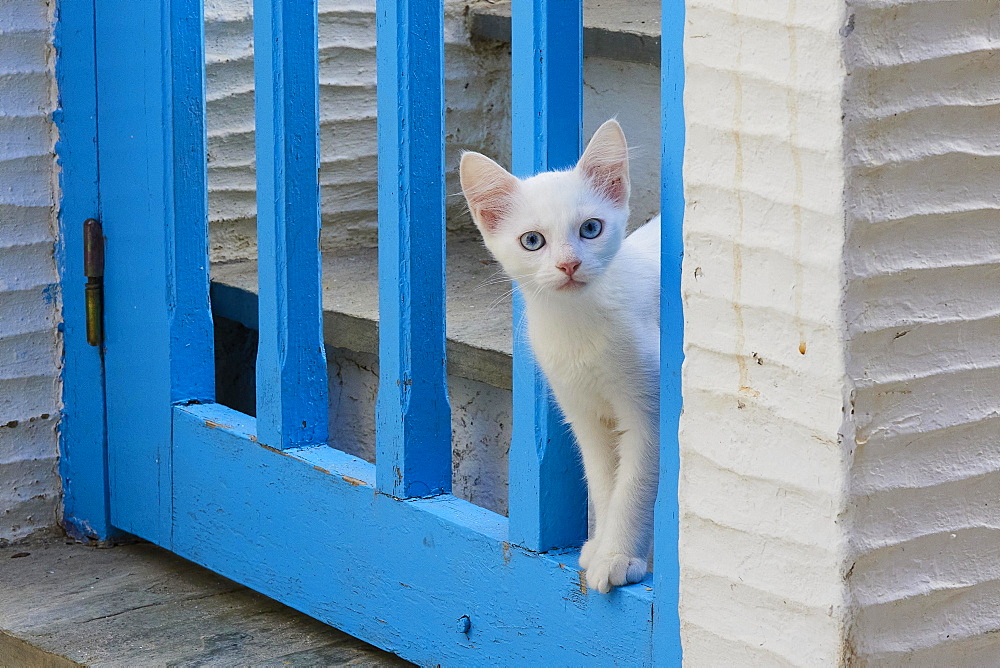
65, 604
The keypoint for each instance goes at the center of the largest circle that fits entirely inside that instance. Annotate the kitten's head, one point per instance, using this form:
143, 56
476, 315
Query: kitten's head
557, 231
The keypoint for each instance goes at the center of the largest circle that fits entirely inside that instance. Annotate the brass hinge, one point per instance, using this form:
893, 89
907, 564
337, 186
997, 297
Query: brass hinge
93, 269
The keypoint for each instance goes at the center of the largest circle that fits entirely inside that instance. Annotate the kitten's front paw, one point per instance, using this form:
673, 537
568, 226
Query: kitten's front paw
614, 570
587, 553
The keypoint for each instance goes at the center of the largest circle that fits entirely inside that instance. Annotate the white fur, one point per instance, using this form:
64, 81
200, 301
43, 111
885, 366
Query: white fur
598, 343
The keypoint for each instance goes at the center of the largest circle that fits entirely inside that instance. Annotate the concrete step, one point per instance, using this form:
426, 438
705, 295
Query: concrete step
478, 303
63, 604
624, 30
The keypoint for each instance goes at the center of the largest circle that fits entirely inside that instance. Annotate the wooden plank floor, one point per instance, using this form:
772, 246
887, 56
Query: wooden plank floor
64, 604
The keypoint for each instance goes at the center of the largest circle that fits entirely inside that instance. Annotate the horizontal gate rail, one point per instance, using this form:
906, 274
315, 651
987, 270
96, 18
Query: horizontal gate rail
547, 495
413, 446
314, 534
291, 359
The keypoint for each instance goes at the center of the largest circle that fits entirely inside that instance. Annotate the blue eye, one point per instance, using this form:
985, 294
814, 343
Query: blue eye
591, 228
532, 241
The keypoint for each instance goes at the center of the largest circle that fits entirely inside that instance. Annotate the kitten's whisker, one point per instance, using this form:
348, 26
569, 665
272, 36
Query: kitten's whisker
538, 292
494, 281
500, 276
498, 272
500, 299
520, 326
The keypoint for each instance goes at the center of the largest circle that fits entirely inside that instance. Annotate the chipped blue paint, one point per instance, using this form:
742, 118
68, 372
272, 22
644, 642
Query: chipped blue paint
413, 443
667, 634
548, 498
291, 359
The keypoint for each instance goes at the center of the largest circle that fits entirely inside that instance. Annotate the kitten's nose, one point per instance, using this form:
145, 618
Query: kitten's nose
569, 267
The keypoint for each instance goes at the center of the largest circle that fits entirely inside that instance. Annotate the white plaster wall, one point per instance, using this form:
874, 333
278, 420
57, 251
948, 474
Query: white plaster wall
763, 547
29, 340
922, 308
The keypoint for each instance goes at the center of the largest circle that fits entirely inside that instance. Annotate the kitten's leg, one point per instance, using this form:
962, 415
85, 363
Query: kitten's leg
597, 446
621, 558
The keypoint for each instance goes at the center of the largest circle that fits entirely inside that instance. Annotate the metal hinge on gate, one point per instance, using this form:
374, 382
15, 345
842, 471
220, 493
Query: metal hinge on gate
93, 269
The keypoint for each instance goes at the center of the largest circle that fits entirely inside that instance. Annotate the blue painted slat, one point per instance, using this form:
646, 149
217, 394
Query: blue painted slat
667, 636
402, 576
413, 452
151, 148
188, 309
82, 436
547, 498
292, 389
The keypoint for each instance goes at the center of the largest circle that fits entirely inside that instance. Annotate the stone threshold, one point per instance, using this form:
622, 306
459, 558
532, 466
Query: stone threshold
478, 313
626, 30
66, 604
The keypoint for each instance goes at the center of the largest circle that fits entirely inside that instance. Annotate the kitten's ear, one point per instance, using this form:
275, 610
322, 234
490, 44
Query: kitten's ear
488, 189
605, 163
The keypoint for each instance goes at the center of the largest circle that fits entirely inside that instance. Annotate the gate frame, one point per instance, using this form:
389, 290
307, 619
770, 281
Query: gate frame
459, 549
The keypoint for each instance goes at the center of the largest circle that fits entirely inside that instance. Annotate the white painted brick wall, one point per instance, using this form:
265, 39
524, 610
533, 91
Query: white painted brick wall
840, 446
29, 342
763, 480
922, 308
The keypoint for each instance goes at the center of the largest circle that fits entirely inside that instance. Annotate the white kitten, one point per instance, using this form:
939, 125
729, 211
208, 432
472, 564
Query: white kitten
592, 300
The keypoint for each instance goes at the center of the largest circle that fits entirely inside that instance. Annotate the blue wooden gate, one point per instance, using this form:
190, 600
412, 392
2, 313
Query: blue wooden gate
383, 551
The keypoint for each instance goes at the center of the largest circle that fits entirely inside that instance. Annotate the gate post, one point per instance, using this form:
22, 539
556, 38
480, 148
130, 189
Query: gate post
153, 205
82, 430
666, 569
